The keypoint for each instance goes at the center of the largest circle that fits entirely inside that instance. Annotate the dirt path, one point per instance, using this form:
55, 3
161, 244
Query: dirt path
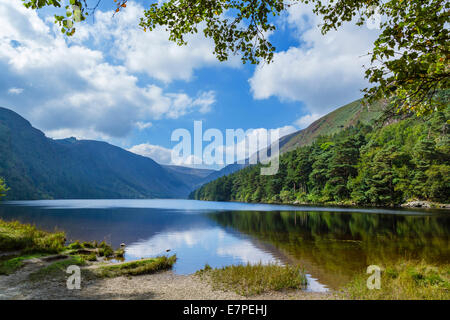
160, 286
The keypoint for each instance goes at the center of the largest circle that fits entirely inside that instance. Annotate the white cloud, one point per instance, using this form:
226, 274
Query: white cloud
15, 90
248, 252
163, 155
243, 150
151, 52
306, 120
74, 89
205, 100
324, 71
240, 149
143, 125
159, 154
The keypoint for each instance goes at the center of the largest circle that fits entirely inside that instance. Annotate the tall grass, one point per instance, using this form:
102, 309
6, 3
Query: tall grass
27, 238
255, 279
409, 280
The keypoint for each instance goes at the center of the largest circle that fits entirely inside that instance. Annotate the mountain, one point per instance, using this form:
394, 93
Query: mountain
331, 123
37, 167
407, 160
192, 177
229, 169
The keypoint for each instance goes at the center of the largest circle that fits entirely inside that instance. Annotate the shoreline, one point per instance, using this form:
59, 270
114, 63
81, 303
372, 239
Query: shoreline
414, 204
34, 264
165, 285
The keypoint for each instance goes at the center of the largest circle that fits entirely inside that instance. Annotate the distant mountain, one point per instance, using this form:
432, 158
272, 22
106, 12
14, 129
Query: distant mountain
36, 167
229, 169
192, 177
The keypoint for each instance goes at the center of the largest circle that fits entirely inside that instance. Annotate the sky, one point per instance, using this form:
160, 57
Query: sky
113, 82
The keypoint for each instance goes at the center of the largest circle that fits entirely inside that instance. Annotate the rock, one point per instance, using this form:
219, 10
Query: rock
425, 204
417, 204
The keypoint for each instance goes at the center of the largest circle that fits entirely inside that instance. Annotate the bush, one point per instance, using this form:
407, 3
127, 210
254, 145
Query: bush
105, 250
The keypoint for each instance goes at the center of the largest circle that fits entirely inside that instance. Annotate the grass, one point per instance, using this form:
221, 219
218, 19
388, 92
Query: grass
11, 265
409, 280
255, 279
30, 242
57, 268
91, 249
138, 267
27, 238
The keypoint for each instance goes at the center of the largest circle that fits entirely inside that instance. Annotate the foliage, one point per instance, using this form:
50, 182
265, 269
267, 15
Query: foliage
408, 280
408, 159
409, 61
255, 279
410, 58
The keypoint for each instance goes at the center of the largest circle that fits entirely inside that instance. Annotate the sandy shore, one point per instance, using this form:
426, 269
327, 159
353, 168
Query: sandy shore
160, 286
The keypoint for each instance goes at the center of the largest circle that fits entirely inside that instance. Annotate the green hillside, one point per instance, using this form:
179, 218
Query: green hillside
334, 122
361, 164
331, 123
36, 167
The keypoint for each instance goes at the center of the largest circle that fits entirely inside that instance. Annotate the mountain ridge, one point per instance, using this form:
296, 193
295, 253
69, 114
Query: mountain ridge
334, 121
37, 167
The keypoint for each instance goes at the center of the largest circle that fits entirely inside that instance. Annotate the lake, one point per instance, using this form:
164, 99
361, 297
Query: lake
332, 244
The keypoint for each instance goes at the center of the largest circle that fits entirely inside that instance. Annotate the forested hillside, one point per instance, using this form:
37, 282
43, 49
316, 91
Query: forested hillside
362, 164
333, 122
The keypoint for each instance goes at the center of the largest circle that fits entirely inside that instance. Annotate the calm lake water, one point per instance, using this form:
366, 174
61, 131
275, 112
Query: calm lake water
332, 244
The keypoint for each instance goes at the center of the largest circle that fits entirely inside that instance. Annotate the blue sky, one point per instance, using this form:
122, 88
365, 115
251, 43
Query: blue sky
113, 82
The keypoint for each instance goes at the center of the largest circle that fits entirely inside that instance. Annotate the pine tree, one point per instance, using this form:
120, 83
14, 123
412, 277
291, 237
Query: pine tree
342, 166
382, 183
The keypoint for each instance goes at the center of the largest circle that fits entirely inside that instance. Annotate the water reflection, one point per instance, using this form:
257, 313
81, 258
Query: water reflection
147, 231
194, 248
333, 246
